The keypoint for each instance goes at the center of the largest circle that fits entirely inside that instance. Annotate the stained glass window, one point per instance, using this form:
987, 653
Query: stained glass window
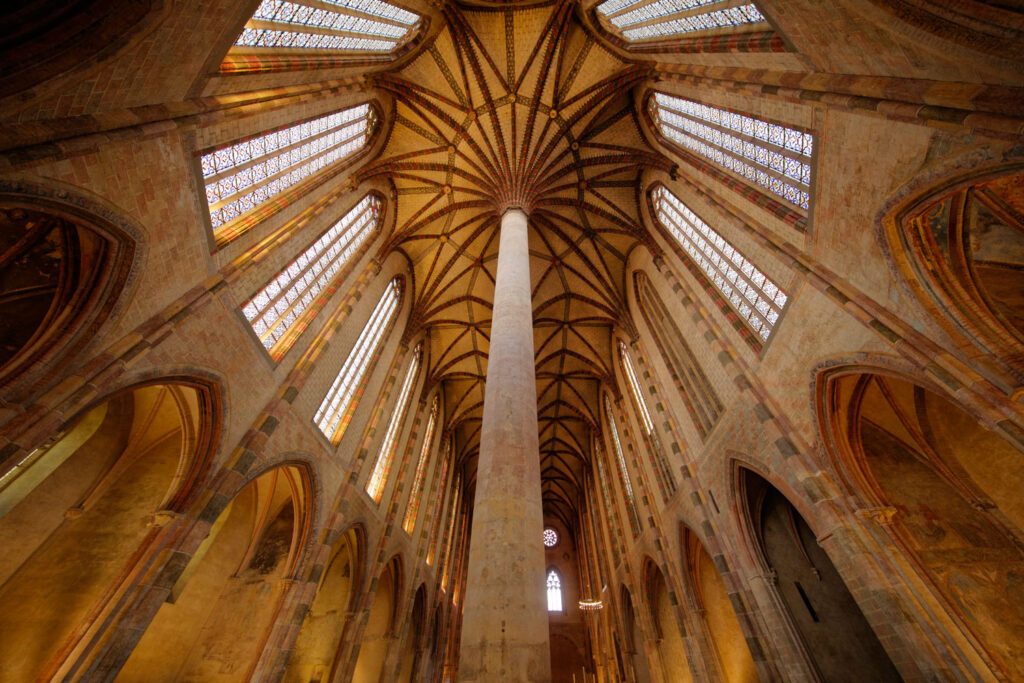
554, 592
336, 409
753, 295
381, 468
328, 26
412, 509
276, 308
245, 174
550, 538
620, 459
634, 386
774, 157
639, 20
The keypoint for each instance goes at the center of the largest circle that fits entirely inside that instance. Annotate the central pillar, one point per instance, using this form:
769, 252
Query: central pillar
505, 617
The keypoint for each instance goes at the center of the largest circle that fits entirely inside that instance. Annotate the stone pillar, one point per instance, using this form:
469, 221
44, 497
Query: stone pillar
505, 618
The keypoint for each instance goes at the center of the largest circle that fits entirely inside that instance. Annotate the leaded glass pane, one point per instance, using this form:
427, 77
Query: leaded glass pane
639, 20
774, 157
752, 293
248, 173
331, 25
332, 415
274, 310
386, 455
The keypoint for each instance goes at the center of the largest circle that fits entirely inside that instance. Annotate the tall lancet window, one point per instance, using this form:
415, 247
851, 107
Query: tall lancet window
336, 409
634, 386
620, 459
280, 311
386, 455
554, 592
413, 508
651, 20
328, 26
771, 156
757, 299
244, 176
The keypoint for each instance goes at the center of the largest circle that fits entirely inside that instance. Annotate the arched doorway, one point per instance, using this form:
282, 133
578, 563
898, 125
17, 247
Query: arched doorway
379, 627
837, 637
713, 602
78, 513
58, 279
217, 618
671, 645
317, 644
949, 490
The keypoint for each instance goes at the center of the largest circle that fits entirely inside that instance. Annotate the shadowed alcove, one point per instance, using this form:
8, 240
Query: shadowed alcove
948, 490
671, 645
830, 624
78, 513
380, 625
217, 618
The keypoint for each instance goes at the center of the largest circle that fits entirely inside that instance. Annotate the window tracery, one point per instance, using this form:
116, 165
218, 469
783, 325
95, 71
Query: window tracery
412, 509
773, 157
279, 307
554, 585
386, 455
335, 411
329, 25
641, 20
550, 537
757, 299
634, 386
242, 176
620, 459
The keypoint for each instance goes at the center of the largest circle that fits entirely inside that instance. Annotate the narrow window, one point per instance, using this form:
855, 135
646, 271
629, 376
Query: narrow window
447, 543
246, 174
634, 386
436, 527
328, 26
773, 157
278, 308
412, 509
623, 470
554, 592
757, 299
381, 468
336, 409
645, 20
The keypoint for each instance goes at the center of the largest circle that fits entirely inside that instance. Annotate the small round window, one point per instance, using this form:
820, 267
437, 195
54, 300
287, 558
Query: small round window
550, 537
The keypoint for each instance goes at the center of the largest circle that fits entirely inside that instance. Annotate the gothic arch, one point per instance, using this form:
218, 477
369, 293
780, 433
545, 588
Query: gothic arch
670, 638
65, 264
382, 620
333, 605
958, 242
84, 512
943, 490
232, 588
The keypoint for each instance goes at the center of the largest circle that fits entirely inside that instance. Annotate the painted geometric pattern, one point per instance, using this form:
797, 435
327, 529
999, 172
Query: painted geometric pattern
353, 25
386, 455
275, 309
751, 293
772, 156
339, 401
245, 174
645, 19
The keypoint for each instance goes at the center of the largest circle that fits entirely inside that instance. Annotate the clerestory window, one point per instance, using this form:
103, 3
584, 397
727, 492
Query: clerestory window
554, 592
386, 455
413, 508
620, 459
243, 176
751, 293
278, 312
335, 411
370, 26
772, 157
649, 20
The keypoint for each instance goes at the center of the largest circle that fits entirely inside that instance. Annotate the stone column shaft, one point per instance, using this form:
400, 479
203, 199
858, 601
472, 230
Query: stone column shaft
505, 619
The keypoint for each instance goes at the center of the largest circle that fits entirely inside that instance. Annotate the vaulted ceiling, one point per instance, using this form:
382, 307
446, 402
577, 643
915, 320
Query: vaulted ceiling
519, 108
